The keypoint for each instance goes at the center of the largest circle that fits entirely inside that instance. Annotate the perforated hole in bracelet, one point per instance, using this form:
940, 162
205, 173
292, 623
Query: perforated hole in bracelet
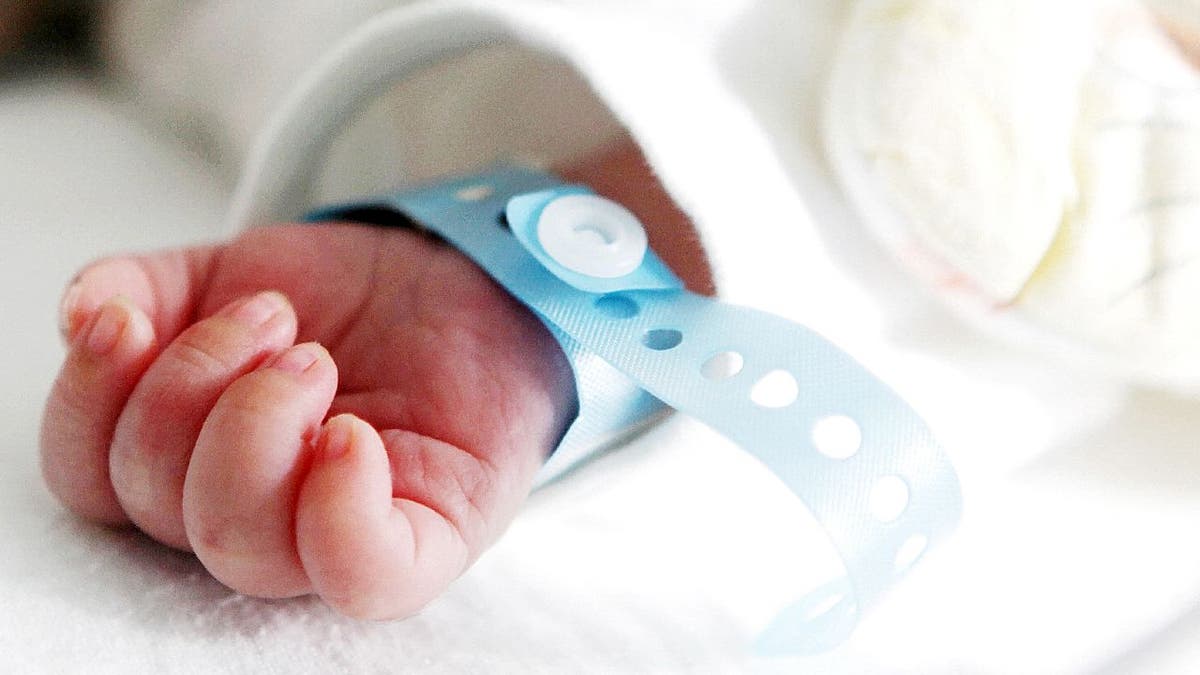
722, 366
824, 606
776, 389
889, 498
662, 339
616, 306
837, 437
910, 551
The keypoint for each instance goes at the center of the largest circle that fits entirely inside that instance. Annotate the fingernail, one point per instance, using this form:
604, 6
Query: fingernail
106, 330
257, 309
335, 441
67, 324
295, 359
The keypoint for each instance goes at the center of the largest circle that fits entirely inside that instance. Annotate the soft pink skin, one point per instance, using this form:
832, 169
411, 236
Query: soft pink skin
371, 474
444, 397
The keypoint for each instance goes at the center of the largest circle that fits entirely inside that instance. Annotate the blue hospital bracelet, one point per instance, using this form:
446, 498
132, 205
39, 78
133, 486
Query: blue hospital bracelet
839, 438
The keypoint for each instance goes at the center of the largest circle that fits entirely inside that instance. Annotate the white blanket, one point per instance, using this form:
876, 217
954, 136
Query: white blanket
1075, 554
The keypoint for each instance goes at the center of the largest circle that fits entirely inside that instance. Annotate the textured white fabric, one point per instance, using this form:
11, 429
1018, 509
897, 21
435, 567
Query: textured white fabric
1075, 553
1037, 163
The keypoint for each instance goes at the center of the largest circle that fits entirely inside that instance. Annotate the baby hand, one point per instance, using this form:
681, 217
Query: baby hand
337, 409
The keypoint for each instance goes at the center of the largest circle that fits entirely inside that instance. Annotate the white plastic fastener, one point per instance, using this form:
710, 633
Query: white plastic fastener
592, 235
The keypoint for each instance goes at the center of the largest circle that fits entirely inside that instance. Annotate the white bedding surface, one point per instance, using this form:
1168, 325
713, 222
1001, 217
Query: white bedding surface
1079, 557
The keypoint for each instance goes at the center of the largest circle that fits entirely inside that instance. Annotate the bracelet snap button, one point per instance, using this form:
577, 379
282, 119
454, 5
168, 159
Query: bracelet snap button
591, 235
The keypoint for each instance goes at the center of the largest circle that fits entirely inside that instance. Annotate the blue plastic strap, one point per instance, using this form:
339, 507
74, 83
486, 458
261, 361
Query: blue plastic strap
833, 433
